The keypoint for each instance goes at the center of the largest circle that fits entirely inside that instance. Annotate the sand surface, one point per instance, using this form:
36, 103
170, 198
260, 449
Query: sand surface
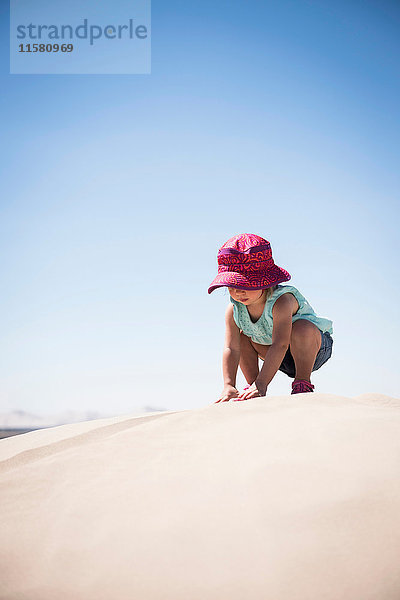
282, 498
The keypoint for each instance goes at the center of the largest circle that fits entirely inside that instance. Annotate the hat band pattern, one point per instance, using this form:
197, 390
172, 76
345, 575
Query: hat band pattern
265, 248
231, 279
245, 270
245, 260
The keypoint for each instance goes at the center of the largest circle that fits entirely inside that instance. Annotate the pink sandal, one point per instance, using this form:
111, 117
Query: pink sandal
302, 385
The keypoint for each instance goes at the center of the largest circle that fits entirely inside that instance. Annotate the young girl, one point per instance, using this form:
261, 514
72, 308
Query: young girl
266, 320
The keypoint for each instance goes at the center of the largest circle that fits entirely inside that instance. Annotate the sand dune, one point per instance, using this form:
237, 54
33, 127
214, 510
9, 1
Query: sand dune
283, 498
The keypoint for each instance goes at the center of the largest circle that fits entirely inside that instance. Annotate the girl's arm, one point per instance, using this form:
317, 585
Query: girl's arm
282, 312
282, 328
230, 356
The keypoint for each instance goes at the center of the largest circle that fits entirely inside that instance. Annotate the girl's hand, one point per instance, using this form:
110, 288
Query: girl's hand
228, 392
253, 391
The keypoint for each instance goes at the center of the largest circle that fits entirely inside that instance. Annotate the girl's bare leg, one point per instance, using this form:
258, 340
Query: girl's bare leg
305, 343
249, 353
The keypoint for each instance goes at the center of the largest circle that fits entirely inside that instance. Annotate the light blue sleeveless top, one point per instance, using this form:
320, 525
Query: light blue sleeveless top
261, 331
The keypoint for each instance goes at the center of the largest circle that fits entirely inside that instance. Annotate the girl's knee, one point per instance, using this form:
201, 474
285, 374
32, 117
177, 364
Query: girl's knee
244, 339
304, 329
246, 343
304, 326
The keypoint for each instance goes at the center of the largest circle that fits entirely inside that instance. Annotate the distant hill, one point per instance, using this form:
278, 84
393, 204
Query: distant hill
20, 419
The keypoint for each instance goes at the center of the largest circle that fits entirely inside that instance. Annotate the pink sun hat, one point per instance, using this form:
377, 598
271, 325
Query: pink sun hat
245, 262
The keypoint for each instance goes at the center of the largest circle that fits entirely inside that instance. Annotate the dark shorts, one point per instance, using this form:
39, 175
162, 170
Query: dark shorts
324, 354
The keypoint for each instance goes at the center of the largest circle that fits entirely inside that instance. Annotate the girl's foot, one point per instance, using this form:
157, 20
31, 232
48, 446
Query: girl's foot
302, 385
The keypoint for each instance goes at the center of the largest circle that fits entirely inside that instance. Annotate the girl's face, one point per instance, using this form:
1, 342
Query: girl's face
246, 296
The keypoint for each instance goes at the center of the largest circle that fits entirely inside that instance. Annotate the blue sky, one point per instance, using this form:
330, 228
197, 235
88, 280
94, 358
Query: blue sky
278, 118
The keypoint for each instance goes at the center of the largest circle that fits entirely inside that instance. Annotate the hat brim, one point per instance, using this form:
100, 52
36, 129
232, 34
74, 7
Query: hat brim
239, 281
